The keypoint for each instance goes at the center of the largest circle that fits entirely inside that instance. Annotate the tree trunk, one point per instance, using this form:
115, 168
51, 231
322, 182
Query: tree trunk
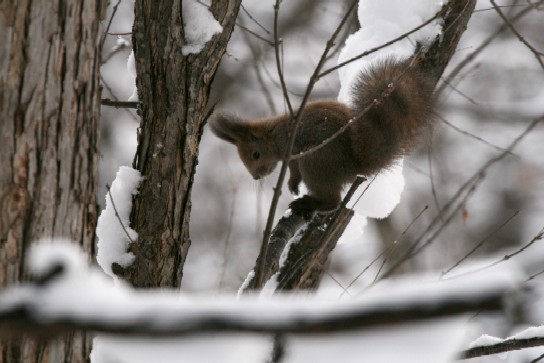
173, 92
49, 113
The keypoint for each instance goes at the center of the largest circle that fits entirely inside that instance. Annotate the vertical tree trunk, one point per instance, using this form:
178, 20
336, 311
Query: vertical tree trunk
173, 91
49, 112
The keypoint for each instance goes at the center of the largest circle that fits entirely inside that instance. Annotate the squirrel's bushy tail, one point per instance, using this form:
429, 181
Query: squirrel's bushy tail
392, 101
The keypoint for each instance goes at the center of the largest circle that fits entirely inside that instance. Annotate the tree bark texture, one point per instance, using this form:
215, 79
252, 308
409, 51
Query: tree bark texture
49, 114
173, 92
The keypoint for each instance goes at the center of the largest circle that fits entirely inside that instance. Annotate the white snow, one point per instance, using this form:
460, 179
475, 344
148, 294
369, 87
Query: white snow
47, 253
245, 284
210, 349
383, 193
485, 340
199, 25
531, 332
131, 69
354, 229
84, 292
382, 21
271, 285
528, 333
112, 229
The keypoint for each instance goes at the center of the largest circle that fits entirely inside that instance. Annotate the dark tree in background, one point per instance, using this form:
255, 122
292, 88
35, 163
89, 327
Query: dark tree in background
49, 113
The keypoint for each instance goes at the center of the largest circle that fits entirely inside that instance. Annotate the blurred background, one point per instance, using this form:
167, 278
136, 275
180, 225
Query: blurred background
497, 91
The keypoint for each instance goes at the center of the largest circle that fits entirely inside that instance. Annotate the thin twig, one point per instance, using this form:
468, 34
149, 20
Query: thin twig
109, 24
507, 345
480, 244
387, 250
117, 214
538, 55
255, 20
539, 236
227, 238
249, 31
116, 49
537, 359
480, 48
119, 34
475, 137
396, 243
431, 174
459, 199
532, 277
107, 86
257, 56
118, 104
385, 45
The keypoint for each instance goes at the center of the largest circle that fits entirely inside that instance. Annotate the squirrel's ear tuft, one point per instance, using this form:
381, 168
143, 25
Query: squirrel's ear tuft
227, 127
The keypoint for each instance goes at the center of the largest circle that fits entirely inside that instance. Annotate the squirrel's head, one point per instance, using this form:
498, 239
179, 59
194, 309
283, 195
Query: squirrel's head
253, 140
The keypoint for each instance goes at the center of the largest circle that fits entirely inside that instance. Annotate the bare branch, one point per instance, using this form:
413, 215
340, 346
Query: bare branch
117, 214
457, 201
255, 20
480, 244
439, 14
114, 10
538, 55
119, 34
475, 137
119, 104
481, 47
537, 359
506, 345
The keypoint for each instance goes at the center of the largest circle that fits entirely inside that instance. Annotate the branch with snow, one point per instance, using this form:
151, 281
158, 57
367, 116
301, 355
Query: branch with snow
77, 297
113, 231
199, 25
487, 345
298, 248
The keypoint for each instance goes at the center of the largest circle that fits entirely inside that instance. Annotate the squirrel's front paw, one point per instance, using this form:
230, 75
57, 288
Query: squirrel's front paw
293, 187
307, 205
303, 206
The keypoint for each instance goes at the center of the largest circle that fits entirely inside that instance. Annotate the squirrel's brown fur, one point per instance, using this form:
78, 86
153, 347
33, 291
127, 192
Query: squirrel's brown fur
392, 101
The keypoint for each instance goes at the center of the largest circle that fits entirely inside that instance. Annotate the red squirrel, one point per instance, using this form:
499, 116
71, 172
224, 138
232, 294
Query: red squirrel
392, 101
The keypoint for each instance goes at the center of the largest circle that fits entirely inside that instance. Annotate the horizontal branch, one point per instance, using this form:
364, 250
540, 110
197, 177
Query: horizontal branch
69, 295
119, 104
152, 315
506, 345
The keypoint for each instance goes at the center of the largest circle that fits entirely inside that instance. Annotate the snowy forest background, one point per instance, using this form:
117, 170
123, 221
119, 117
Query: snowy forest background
483, 109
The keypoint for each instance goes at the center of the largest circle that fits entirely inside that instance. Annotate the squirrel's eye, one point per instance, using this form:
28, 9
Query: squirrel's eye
256, 155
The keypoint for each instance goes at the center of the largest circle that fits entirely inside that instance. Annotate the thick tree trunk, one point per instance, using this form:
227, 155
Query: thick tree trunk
173, 91
49, 112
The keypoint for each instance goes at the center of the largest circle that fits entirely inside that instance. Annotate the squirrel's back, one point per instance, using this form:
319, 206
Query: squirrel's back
392, 100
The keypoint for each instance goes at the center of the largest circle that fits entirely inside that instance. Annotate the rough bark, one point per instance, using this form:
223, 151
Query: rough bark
49, 113
173, 93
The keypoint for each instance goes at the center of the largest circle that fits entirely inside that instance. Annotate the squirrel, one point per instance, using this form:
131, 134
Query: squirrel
392, 101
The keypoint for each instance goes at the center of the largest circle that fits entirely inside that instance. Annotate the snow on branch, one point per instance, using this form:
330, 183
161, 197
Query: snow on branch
199, 25
487, 345
113, 230
77, 297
